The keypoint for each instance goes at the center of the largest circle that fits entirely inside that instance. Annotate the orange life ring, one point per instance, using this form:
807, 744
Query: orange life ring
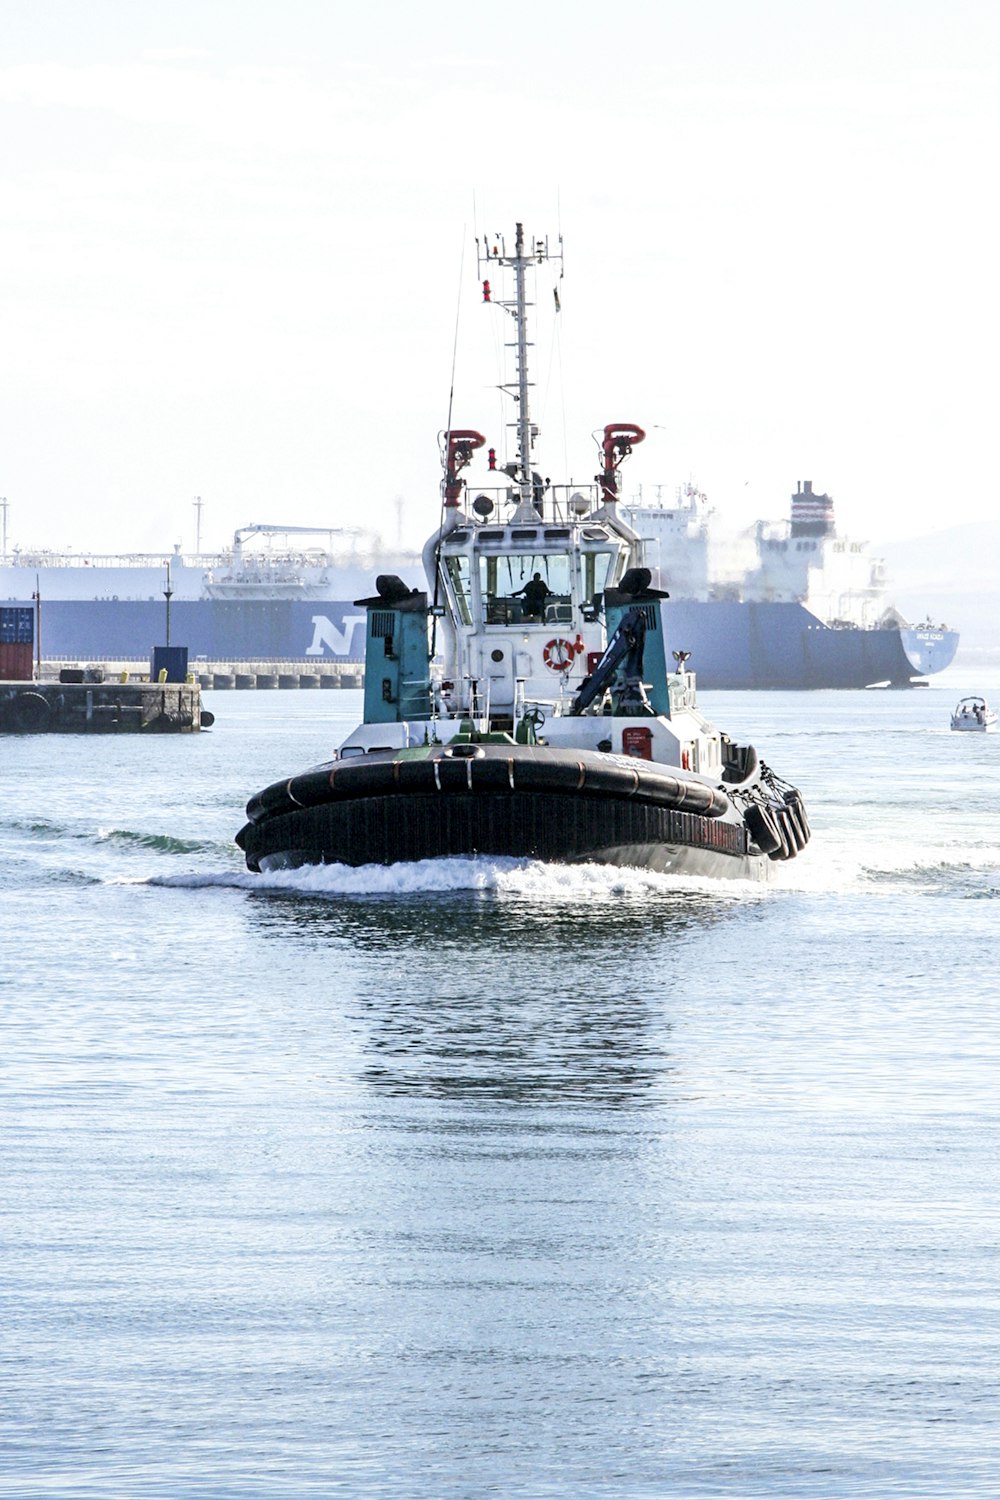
685, 761
558, 655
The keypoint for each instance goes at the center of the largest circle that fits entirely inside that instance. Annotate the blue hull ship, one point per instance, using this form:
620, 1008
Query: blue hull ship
735, 645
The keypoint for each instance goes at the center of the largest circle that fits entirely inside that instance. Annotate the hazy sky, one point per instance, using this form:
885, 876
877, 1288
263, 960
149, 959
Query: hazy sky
234, 237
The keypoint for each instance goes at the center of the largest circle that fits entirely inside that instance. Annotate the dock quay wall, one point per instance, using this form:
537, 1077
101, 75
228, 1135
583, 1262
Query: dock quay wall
101, 707
219, 676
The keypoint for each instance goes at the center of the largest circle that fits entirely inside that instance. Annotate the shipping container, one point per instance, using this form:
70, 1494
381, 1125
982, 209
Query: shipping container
17, 625
16, 661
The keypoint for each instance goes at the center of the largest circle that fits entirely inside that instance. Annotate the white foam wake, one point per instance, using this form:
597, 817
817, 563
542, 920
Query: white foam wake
833, 863
530, 880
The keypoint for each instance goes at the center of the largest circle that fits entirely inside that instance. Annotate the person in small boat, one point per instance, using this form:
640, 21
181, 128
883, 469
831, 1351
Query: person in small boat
535, 592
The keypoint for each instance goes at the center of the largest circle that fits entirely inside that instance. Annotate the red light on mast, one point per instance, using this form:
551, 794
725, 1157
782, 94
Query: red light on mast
486, 291
492, 457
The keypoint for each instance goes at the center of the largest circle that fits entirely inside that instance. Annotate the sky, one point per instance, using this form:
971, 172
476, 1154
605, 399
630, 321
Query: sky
238, 255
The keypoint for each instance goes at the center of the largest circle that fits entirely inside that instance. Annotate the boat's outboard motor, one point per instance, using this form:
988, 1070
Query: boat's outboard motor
397, 653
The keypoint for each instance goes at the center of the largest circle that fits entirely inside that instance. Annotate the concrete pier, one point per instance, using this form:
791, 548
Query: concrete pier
239, 676
101, 708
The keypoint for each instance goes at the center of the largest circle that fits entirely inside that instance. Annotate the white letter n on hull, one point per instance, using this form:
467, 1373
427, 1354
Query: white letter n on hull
326, 635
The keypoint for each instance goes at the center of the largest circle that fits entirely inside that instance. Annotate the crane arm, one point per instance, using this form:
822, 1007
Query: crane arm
622, 653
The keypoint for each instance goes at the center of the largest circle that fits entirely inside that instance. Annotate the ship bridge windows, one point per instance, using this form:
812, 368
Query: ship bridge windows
596, 567
519, 587
460, 582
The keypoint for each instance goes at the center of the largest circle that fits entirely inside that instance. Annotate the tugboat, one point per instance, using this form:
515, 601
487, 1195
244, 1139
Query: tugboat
526, 704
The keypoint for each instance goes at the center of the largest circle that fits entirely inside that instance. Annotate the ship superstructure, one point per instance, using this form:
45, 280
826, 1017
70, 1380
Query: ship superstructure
803, 559
788, 604
264, 561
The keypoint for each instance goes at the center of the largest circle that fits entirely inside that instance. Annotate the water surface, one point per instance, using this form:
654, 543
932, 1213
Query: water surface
477, 1178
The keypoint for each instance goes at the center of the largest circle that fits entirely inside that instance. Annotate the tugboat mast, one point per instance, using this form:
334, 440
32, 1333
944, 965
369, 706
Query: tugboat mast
523, 407
519, 262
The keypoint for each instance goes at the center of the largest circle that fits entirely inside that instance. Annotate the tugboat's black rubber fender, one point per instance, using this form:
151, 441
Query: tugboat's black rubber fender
501, 768
520, 824
793, 841
793, 828
763, 829
30, 713
779, 827
784, 849
797, 808
789, 832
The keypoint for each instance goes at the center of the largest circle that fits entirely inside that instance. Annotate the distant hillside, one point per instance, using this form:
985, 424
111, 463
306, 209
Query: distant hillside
952, 575
956, 558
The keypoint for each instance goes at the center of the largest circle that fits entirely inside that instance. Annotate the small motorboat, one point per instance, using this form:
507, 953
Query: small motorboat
525, 703
974, 716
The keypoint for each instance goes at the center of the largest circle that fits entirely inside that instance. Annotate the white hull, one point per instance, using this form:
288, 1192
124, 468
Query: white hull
973, 715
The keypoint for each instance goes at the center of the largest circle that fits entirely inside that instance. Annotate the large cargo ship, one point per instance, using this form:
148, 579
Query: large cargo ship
790, 604
786, 604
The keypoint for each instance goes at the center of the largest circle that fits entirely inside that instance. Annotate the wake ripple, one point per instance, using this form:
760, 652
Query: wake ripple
46, 830
839, 866
162, 843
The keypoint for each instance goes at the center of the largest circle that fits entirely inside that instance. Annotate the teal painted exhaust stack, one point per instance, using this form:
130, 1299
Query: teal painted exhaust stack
397, 653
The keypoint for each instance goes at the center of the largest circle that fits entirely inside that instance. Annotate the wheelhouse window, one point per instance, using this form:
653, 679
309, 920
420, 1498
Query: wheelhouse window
527, 587
460, 579
596, 568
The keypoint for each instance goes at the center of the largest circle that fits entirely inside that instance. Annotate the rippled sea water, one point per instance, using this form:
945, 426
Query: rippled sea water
473, 1179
